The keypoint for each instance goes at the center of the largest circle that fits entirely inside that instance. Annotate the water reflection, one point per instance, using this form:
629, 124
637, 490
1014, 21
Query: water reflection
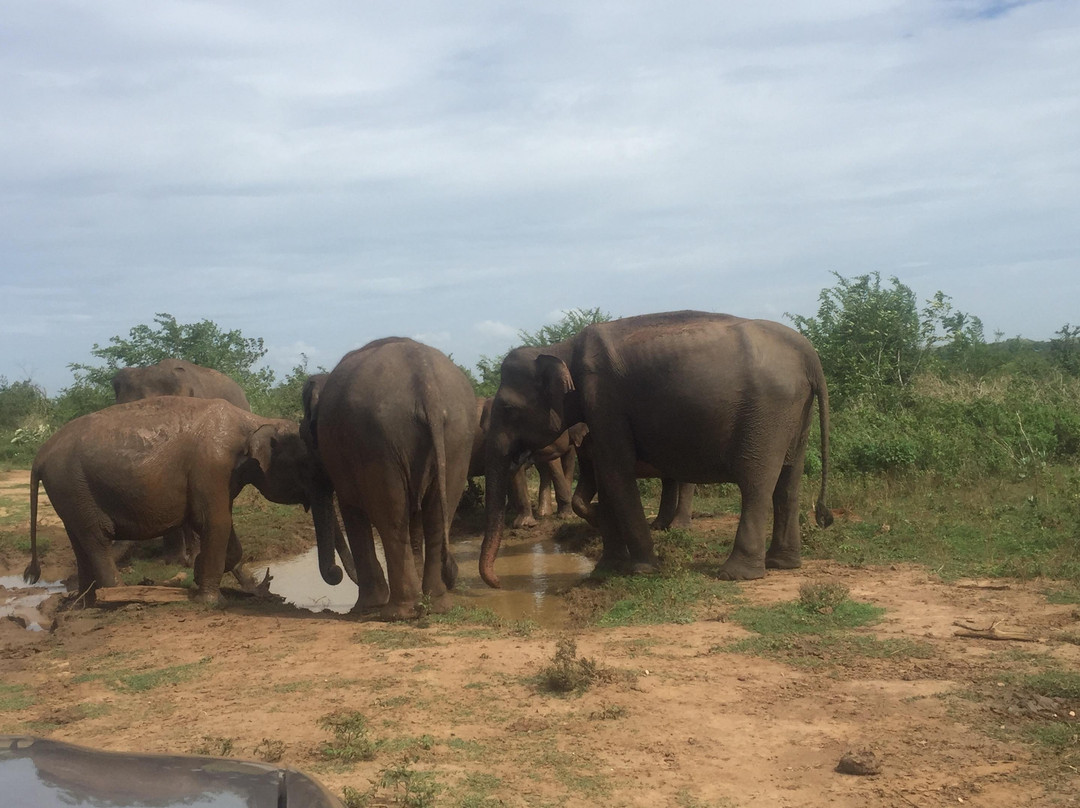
21, 600
534, 573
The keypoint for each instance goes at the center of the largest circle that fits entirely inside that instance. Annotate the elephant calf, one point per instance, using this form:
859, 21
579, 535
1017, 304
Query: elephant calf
134, 471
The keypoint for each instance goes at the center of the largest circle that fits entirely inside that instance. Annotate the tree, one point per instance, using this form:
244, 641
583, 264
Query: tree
872, 339
203, 343
572, 322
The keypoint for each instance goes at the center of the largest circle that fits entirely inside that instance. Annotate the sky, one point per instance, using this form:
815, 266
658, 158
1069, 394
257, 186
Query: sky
325, 173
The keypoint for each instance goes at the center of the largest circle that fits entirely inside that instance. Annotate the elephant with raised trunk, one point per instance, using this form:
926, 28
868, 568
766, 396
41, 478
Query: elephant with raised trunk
698, 397
394, 424
134, 471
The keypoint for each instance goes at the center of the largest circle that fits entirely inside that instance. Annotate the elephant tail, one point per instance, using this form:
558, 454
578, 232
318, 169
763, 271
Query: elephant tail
822, 514
32, 573
438, 441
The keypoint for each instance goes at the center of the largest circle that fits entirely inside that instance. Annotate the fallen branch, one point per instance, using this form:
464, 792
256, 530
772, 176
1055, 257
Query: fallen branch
981, 584
992, 632
142, 594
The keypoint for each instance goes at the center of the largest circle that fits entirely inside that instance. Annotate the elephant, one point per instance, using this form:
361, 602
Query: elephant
554, 465
177, 377
699, 397
394, 425
133, 471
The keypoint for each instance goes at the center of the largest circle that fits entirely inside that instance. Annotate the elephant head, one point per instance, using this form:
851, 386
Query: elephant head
536, 402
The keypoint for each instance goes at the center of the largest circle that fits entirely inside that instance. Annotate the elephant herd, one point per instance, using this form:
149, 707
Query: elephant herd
394, 432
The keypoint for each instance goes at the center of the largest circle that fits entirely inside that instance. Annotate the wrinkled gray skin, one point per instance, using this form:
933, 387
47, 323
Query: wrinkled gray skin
698, 397
133, 471
554, 464
177, 377
394, 425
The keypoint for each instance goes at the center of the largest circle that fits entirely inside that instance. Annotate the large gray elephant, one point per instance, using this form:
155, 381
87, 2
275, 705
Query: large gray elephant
699, 397
394, 426
177, 377
134, 471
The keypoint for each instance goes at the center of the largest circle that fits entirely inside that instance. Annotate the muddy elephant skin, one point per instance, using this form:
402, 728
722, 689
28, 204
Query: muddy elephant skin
699, 397
131, 472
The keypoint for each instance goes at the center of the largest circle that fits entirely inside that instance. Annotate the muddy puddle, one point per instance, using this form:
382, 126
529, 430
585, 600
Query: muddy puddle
20, 601
533, 575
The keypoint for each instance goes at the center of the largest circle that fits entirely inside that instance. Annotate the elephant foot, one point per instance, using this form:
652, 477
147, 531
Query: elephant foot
441, 604
565, 512
644, 567
524, 521
658, 524
783, 561
370, 600
740, 570
393, 612
208, 597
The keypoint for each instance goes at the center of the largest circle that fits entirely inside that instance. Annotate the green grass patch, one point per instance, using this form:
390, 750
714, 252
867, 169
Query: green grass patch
1063, 596
126, 681
651, 600
826, 650
1054, 684
471, 616
794, 617
15, 697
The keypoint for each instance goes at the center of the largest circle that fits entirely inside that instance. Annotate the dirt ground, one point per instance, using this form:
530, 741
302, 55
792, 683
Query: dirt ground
681, 722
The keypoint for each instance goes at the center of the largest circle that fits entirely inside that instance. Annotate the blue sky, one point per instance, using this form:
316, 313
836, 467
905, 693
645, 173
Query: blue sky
326, 173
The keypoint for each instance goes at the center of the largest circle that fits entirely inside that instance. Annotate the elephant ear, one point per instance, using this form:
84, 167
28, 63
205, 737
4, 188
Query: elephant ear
261, 446
556, 386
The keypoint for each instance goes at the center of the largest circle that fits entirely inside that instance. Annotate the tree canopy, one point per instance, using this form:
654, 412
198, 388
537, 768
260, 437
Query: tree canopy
203, 343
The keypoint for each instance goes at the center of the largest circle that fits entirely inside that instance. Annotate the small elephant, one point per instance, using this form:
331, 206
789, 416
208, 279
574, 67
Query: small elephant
554, 464
131, 472
698, 397
394, 425
177, 377
676, 499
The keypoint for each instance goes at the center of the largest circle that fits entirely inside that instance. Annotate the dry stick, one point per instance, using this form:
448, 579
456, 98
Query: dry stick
992, 632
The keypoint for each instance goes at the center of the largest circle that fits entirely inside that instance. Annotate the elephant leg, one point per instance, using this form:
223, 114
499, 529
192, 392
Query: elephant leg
519, 499
747, 558
584, 493
372, 590
216, 545
622, 518
405, 584
562, 477
669, 503
435, 566
181, 546
543, 494
94, 561
684, 510
785, 550
416, 542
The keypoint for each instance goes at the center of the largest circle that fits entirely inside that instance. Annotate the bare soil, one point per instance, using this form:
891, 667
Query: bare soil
678, 722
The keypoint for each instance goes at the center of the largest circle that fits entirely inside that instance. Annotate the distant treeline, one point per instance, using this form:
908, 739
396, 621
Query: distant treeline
912, 389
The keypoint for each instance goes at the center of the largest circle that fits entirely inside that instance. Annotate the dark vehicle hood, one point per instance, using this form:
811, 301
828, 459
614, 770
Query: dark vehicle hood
40, 773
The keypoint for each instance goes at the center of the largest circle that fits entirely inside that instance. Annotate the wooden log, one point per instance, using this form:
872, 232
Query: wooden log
142, 594
992, 632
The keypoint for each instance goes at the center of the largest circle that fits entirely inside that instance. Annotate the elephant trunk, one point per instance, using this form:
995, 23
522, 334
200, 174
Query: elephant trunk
327, 532
496, 485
